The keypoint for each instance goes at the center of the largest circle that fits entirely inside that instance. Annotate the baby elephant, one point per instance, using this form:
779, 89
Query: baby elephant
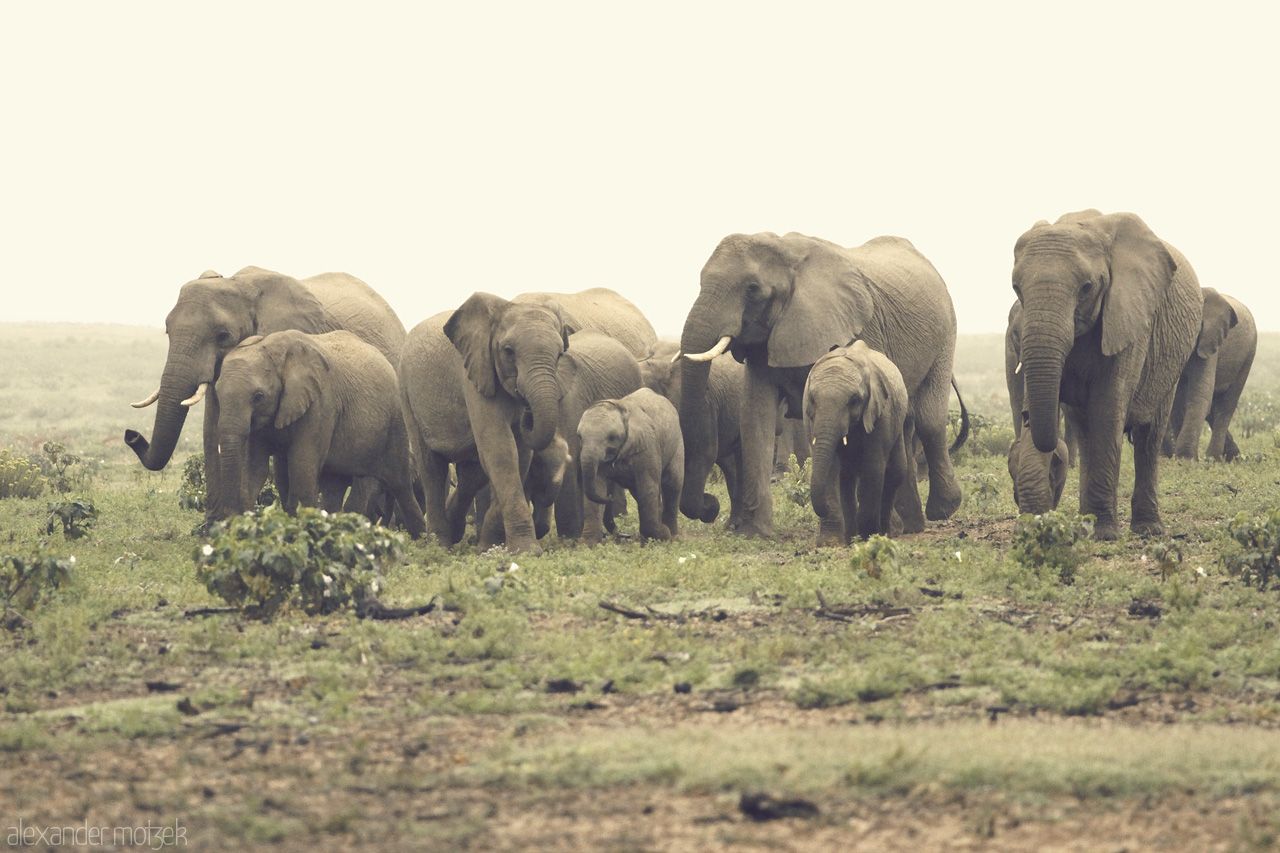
1038, 478
326, 406
635, 442
855, 403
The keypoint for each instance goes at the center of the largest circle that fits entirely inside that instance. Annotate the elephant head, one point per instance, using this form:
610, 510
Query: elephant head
511, 349
785, 300
266, 383
1086, 274
1218, 318
605, 433
212, 315
659, 371
845, 395
1038, 478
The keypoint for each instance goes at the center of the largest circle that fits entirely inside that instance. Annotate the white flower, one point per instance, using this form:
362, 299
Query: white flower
207, 550
1142, 559
514, 567
693, 556
373, 585
73, 560
327, 579
958, 557
1199, 571
324, 514
682, 559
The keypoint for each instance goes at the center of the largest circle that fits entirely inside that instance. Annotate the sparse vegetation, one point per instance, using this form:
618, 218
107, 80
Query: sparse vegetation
1057, 540
19, 476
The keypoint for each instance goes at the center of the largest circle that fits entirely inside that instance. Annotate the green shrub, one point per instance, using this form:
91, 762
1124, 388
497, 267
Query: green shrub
267, 560
1257, 563
29, 581
19, 477
874, 556
795, 482
58, 464
1055, 540
76, 517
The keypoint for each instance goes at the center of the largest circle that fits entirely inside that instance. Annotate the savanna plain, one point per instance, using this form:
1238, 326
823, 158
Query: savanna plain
711, 693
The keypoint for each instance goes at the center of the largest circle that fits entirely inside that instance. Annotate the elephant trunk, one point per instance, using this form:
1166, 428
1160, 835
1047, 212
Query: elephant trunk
696, 424
181, 380
822, 465
1045, 342
233, 469
590, 479
542, 392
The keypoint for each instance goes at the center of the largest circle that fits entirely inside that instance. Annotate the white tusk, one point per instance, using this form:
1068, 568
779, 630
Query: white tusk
198, 396
1018, 369
813, 441
845, 440
142, 404
720, 347
676, 357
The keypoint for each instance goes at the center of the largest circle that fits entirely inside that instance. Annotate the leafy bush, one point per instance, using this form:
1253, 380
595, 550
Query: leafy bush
29, 581
1056, 540
874, 556
267, 560
58, 463
193, 493
1257, 563
76, 517
795, 482
19, 477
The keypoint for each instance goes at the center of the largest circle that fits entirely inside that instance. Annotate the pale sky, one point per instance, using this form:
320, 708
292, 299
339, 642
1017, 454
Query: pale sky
435, 149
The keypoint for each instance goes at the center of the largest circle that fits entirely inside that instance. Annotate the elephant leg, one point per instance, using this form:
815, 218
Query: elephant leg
214, 499
1145, 505
931, 427
280, 470
649, 506
570, 509
363, 498
1175, 416
907, 501
1230, 450
400, 487
590, 514
472, 486
871, 482
731, 468
435, 486
1221, 443
1102, 445
896, 470
841, 507
1198, 376
333, 490
759, 403
259, 470
672, 483
852, 506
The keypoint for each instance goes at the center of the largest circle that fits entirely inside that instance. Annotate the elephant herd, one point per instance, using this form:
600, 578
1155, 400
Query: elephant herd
555, 403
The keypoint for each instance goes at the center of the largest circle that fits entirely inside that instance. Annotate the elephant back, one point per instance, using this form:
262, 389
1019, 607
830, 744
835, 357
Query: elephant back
605, 311
431, 376
358, 308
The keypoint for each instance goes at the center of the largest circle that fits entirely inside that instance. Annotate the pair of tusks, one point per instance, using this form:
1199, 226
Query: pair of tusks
190, 401
718, 349
814, 441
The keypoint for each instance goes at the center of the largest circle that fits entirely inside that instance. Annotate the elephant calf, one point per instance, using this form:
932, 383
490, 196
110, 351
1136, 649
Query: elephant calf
635, 442
855, 405
1038, 478
328, 406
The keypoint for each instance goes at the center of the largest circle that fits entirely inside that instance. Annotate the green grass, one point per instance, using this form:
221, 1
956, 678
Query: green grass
927, 649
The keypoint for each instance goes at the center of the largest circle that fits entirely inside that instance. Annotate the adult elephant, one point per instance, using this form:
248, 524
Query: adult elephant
778, 304
214, 314
1110, 314
479, 387
601, 309
1210, 385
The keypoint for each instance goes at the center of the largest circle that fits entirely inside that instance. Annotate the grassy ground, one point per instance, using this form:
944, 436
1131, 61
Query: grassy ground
627, 697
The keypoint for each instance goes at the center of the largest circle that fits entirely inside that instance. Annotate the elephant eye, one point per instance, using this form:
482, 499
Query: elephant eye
1086, 288
258, 397
224, 338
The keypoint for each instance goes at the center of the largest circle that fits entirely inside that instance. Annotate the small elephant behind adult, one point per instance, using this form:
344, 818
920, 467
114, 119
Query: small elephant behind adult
855, 407
635, 442
603, 310
1210, 385
1038, 478
327, 405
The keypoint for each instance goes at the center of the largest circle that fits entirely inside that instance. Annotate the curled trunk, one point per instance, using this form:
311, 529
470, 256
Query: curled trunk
590, 480
696, 427
182, 377
542, 393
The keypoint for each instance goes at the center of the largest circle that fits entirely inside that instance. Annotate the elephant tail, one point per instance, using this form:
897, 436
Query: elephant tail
963, 435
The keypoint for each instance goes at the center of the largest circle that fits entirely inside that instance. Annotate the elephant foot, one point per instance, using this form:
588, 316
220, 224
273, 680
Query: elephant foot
831, 539
942, 503
751, 530
530, 548
1147, 527
1107, 531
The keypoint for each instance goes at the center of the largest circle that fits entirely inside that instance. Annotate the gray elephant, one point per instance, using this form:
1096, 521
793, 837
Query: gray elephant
1110, 316
480, 391
1038, 478
601, 309
1210, 385
634, 442
327, 405
778, 304
214, 314
855, 407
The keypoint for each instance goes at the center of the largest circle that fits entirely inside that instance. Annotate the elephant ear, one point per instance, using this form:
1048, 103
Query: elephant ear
281, 302
830, 303
303, 367
1141, 271
470, 329
1218, 319
636, 433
